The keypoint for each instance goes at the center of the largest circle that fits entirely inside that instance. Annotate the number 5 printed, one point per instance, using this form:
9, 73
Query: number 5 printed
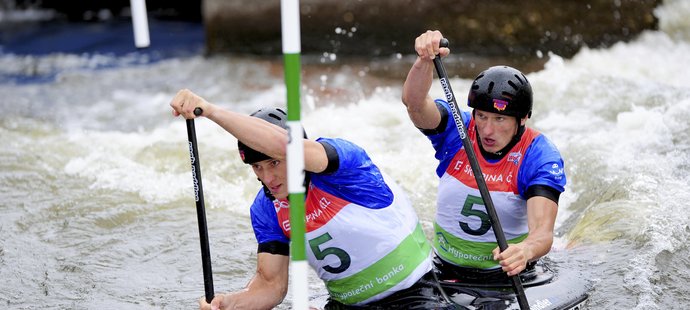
468, 210
321, 254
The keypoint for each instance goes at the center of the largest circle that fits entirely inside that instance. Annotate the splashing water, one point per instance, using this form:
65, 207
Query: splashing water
96, 189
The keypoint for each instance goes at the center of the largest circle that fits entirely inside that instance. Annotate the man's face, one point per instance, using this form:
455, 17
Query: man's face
273, 173
495, 130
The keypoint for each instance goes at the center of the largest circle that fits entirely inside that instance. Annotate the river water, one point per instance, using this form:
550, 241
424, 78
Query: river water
96, 197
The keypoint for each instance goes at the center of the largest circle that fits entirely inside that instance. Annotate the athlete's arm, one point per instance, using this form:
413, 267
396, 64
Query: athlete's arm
256, 133
315, 156
541, 218
265, 290
415, 95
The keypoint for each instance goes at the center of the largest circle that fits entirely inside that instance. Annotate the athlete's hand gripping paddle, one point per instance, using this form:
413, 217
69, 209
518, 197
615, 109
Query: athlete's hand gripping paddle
476, 170
200, 211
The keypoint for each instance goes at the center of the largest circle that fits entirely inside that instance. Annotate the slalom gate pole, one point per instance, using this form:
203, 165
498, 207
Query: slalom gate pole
140, 23
290, 25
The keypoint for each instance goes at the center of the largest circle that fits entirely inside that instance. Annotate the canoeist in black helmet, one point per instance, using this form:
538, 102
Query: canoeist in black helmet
522, 168
364, 238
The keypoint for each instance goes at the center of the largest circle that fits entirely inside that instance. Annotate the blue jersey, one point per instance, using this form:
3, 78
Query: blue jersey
542, 163
357, 180
365, 240
463, 234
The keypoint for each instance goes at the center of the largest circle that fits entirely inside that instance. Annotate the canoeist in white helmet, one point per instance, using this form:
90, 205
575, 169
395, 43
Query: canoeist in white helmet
364, 238
522, 168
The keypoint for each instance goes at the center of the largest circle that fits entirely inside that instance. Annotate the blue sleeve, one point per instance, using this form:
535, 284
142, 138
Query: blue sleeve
448, 142
357, 179
542, 165
265, 221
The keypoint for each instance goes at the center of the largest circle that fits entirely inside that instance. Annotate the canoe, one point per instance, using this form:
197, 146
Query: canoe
545, 289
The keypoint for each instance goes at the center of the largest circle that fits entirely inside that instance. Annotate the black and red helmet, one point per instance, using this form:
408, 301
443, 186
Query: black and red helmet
503, 90
274, 116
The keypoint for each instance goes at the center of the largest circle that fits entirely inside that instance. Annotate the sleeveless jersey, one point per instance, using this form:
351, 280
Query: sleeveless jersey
463, 233
363, 237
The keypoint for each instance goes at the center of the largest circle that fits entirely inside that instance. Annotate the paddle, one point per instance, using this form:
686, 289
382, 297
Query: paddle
200, 211
476, 170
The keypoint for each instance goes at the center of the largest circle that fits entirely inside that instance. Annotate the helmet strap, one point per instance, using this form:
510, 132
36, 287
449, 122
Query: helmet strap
267, 192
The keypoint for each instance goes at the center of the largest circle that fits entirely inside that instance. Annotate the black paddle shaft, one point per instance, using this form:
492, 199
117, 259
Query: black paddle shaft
477, 171
200, 210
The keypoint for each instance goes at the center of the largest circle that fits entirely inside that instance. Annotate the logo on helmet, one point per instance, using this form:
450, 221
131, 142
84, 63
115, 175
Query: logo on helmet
500, 104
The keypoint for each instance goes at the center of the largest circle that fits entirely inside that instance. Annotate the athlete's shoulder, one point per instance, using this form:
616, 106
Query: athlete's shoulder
340, 144
542, 145
264, 218
442, 104
261, 204
542, 165
349, 153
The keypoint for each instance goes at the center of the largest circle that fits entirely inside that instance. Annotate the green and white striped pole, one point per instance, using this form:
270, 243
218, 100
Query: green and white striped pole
289, 12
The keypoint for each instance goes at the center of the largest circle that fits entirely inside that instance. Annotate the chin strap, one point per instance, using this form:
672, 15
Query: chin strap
267, 192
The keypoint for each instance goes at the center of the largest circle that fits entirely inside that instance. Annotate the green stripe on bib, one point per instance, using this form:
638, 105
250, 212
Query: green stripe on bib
390, 270
466, 253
